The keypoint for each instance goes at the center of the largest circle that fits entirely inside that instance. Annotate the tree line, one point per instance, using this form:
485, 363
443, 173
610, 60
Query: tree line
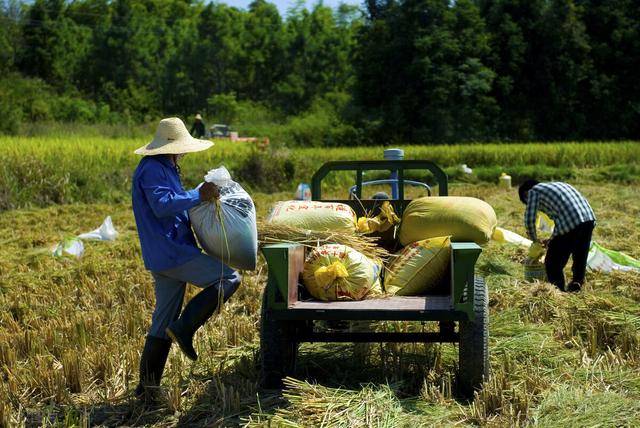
407, 70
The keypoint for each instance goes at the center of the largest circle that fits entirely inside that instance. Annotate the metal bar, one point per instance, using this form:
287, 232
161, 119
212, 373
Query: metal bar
391, 315
370, 337
359, 184
379, 165
400, 177
394, 184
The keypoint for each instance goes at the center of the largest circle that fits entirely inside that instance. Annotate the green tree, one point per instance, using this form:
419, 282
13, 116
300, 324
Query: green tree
264, 46
215, 54
54, 46
540, 52
224, 107
319, 48
612, 102
10, 35
422, 74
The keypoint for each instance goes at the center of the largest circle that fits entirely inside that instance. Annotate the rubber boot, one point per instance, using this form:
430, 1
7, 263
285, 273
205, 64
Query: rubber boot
152, 362
197, 312
574, 287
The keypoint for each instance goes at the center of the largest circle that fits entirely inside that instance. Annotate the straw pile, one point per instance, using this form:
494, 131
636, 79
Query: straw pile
318, 405
269, 233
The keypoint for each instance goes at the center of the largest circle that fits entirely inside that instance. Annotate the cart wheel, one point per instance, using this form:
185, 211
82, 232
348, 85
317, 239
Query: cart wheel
278, 348
474, 343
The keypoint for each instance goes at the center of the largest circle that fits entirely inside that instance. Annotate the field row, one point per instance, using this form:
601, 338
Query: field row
45, 171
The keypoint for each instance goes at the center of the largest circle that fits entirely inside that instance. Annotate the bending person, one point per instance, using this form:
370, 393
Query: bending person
574, 222
170, 252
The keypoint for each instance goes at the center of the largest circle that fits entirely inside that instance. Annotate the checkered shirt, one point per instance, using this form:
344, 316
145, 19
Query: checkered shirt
561, 202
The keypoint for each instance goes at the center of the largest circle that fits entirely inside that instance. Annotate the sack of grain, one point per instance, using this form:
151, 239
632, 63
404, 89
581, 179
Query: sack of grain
384, 221
462, 218
337, 272
312, 215
419, 268
226, 228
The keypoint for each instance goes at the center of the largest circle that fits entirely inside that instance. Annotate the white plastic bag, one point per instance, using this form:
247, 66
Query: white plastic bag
465, 169
226, 228
69, 247
606, 260
219, 176
506, 236
106, 232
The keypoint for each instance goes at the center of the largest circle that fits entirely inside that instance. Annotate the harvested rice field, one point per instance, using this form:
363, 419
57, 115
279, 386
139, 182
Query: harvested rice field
71, 333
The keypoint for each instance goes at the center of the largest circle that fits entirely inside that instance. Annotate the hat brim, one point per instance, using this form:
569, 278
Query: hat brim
175, 148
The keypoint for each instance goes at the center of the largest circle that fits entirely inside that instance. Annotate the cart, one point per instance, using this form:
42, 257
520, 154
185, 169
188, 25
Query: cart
288, 320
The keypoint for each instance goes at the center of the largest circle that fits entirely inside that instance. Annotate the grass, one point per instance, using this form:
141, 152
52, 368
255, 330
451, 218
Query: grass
59, 170
71, 330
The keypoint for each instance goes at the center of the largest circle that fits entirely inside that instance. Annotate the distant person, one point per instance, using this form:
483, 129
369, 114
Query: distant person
198, 129
170, 252
574, 222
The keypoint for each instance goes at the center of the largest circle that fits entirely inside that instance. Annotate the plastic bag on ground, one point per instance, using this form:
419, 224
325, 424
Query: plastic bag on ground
69, 247
419, 268
226, 228
463, 218
106, 232
606, 260
313, 215
337, 272
505, 236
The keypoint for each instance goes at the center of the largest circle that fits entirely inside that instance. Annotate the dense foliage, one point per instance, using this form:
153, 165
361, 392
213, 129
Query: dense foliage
508, 69
135, 60
417, 70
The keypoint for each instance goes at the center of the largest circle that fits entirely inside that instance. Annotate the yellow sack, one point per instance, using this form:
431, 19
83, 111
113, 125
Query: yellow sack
544, 224
536, 251
380, 223
419, 268
312, 215
337, 272
325, 275
462, 218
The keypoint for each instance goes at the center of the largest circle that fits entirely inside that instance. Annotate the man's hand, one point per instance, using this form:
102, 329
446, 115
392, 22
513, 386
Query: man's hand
209, 191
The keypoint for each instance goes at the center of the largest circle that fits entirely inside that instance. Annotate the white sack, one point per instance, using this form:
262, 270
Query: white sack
106, 232
235, 239
606, 260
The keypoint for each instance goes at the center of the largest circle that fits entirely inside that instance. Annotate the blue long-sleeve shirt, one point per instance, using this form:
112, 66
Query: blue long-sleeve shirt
160, 206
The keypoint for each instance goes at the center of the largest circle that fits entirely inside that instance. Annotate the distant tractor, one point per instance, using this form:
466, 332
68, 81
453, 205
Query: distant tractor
219, 130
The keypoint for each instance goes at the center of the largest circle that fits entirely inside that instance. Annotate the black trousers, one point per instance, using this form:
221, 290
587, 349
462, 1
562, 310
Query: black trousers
574, 244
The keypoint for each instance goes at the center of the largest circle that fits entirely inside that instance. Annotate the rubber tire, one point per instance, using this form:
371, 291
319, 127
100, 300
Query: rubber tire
474, 343
278, 349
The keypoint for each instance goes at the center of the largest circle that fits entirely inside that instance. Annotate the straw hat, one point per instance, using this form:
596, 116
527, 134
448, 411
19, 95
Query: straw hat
172, 138
198, 116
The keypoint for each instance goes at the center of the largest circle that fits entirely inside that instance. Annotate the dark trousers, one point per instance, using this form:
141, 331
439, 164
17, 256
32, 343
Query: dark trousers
574, 244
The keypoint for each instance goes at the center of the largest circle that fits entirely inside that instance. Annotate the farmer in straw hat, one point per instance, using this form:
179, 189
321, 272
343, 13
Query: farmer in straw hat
198, 128
170, 252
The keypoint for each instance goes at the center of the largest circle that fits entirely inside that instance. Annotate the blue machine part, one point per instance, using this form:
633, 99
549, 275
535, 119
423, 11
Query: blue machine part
394, 154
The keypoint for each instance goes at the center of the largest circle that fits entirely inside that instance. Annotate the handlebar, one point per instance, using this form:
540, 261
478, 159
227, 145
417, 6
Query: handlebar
400, 166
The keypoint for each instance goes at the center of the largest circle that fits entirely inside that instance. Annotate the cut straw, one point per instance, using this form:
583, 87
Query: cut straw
269, 233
